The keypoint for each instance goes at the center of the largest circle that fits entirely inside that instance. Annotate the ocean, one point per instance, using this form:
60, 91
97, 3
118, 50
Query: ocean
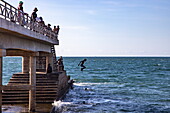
111, 84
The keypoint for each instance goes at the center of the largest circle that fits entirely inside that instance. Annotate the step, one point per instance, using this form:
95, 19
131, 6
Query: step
46, 89
23, 92
38, 75
37, 89
37, 81
37, 84
26, 95
26, 102
26, 98
27, 76
53, 77
50, 86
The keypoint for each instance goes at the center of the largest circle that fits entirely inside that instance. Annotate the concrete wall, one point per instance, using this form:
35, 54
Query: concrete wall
14, 42
62, 84
17, 37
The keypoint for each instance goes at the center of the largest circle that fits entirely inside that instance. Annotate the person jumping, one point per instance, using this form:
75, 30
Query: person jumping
82, 64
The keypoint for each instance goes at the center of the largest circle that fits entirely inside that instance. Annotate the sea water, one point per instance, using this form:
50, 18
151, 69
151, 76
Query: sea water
112, 84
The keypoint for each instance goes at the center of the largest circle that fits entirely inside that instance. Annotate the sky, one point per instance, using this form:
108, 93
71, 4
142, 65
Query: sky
107, 27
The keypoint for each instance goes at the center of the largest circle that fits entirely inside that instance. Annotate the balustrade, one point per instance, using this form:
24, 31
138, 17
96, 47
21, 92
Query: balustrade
10, 13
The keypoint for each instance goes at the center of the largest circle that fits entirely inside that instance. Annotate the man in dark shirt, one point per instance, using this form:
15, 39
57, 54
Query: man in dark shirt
34, 15
49, 69
82, 64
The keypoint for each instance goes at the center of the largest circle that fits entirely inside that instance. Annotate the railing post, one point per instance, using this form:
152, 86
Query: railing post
5, 10
16, 17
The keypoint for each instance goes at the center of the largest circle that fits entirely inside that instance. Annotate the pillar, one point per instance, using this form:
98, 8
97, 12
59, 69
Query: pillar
25, 64
32, 92
0, 84
47, 62
2, 53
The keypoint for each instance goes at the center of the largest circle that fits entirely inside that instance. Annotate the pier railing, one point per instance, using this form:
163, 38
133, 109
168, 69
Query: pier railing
10, 13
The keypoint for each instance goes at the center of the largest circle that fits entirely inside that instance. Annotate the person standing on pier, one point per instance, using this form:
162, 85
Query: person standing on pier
82, 64
60, 64
33, 18
34, 14
21, 19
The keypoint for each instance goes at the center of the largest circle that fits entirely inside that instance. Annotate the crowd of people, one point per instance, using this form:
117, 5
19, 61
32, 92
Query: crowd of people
35, 21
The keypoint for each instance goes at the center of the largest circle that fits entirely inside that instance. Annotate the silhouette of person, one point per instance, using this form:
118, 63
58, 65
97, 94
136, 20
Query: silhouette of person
34, 14
56, 29
49, 69
82, 64
60, 64
21, 19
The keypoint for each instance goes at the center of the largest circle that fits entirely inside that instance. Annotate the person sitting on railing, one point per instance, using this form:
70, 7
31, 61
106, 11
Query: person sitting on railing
33, 18
42, 25
48, 30
49, 27
41, 22
56, 30
21, 13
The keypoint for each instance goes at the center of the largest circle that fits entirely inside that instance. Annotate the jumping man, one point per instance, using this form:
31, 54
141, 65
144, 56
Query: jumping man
82, 64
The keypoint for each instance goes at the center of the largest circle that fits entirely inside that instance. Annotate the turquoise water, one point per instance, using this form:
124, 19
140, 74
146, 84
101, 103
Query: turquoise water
119, 85
114, 84
11, 65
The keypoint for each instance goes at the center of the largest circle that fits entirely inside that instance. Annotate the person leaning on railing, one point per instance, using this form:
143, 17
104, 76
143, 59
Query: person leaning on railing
21, 14
42, 25
48, 30
56, 30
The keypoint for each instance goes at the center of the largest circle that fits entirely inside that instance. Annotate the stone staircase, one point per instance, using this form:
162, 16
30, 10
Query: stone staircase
46, 89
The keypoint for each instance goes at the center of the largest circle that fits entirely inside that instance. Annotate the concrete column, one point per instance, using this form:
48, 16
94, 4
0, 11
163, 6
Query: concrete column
32, 92
0, 84
47, 62
2, 53
25, 64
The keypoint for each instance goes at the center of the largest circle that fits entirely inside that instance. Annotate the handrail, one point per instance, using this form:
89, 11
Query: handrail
10, 13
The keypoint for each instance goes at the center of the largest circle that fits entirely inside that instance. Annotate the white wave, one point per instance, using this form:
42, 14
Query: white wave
89, 84
60, 103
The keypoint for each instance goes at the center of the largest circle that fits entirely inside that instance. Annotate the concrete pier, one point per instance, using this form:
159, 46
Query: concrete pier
36, 47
